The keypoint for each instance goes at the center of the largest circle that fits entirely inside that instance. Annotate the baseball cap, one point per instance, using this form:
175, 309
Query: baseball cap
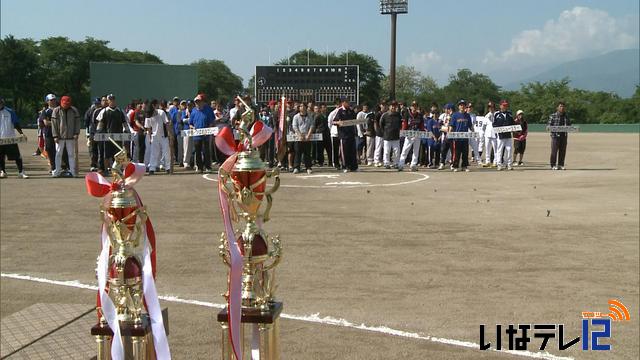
111, 97
175, 98
504, 102
449, 106
198, 97
65, 101
394, 103
49, 97
96, 100
519, 112
462, 102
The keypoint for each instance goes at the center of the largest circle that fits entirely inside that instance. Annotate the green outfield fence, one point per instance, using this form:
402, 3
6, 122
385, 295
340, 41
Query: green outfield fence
143, 81
595, 128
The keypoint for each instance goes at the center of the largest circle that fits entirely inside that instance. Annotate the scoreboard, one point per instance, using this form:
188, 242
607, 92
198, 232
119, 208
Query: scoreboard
319, 83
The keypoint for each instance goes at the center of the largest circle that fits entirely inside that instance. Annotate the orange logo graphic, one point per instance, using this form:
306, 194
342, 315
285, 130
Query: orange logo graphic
618, 312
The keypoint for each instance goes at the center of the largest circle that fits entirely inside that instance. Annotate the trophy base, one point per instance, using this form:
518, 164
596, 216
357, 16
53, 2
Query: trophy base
263, 327
137, 340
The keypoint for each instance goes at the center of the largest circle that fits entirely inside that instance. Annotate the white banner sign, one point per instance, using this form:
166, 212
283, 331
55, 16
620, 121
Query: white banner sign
415, 134
13, 140
114, 136
350, 122
463, 135
294, 137
563, 128
200, 132
504, 129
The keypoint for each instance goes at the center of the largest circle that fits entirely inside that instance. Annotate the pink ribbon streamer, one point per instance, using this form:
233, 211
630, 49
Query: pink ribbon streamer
234, 305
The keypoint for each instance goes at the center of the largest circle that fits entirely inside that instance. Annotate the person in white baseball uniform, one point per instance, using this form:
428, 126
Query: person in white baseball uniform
490, 140
156, 123
477, 144
9, 124
504, 118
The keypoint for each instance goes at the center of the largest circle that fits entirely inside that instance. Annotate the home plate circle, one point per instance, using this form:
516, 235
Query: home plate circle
359, 179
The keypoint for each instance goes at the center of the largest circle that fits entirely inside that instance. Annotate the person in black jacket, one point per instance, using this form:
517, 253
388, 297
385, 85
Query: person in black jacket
390, 124
504, 118
347, 136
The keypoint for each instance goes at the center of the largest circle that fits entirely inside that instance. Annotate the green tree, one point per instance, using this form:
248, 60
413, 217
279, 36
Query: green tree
469, 86
20, 75
412, 85
216, 80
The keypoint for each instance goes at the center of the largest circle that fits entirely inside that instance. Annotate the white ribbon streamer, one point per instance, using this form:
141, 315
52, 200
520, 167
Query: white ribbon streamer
153, 304
108, 308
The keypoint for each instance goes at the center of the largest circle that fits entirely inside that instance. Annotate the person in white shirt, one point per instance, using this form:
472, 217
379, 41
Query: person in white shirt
9, 124
490, 140
156, 123
335, 141
362, 130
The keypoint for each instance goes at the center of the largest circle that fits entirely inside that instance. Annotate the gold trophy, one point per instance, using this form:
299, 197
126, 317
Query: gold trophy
124, 221
245, 188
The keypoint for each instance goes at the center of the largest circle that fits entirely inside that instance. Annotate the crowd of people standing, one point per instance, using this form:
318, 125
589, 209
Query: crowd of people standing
374, 139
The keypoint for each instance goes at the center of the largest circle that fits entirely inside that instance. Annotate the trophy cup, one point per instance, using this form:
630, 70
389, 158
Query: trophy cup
126, 309
243, 184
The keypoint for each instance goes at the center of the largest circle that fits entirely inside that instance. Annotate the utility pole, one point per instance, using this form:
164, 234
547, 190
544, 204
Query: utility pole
393, 8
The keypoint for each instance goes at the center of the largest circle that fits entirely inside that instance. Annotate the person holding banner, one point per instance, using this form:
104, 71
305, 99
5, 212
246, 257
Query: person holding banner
65, 125
413, 122
503, 118
200, 119
303, 127
111, 120
347, 135
335, 140
558, 139
9, 124
461, 122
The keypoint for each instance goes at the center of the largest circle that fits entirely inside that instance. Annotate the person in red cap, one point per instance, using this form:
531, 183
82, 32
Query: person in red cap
65, 125
504, 118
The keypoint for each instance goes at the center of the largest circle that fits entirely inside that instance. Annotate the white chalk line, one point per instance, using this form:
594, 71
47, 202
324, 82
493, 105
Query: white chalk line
336, 185
314, 318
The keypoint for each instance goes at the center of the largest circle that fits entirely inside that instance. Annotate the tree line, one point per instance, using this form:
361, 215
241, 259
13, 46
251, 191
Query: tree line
30, 69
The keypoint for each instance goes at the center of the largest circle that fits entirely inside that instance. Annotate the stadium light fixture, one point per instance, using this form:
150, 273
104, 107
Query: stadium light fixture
393, 8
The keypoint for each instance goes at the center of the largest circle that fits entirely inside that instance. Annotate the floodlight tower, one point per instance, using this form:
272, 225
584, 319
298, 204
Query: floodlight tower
393, 8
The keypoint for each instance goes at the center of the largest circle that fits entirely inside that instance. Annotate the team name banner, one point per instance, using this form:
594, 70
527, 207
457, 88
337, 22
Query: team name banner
295, 137
114, 136
504, 129
200, 132
563, 128
350, 122
13, 140
207, 131
463, 135
415, 134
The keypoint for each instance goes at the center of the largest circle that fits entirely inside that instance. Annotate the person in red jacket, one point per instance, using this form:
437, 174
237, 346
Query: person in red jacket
413, 122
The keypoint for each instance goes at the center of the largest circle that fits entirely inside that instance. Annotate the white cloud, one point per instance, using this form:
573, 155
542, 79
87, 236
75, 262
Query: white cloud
430, 63
576, 33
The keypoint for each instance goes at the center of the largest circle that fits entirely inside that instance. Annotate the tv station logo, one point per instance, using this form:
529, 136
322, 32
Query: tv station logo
596, 326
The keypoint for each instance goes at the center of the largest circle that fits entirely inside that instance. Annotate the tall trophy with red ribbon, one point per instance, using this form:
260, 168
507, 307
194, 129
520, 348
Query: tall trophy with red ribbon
250, 320
130, 321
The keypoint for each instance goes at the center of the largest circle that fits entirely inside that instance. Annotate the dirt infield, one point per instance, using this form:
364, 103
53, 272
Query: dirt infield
433, 255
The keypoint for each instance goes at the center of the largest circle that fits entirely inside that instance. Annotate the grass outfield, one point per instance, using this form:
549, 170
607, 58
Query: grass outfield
431, 256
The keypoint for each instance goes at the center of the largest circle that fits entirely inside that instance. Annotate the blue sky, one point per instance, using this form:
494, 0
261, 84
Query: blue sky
497, 37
